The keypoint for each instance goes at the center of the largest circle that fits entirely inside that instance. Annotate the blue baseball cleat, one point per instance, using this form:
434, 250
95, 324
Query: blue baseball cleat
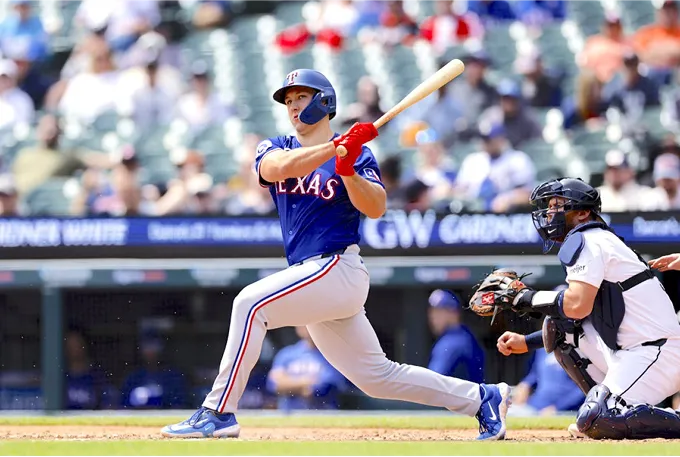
205, 423
491, 414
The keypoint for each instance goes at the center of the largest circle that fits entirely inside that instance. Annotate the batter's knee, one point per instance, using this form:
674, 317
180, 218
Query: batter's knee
604, 416
244, 301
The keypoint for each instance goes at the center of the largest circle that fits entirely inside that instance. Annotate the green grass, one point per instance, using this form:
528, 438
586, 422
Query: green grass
215, 447
406, 422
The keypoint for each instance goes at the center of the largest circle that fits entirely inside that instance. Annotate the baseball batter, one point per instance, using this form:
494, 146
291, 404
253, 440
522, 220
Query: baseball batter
613, 330
320, 196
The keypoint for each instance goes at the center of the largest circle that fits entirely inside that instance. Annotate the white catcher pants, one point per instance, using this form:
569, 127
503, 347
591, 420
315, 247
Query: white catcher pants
328, 296
642, 374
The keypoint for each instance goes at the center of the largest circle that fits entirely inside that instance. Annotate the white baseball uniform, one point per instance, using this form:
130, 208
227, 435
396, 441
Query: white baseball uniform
636, 372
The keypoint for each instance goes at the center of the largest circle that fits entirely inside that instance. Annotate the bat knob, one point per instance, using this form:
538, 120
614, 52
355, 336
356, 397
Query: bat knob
341, 151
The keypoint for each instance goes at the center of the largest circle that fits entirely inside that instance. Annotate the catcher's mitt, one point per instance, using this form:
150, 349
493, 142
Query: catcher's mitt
496, 292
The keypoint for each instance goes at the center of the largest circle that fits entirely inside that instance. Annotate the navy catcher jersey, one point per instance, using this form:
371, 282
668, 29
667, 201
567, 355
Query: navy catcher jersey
316, 214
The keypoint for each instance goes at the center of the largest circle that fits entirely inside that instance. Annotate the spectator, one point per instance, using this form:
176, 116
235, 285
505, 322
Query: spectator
245, 194
30, 76
187, 194
367, 106
667, 178
498, 176
658, 44
16, 107
668, 144
396, 27
631, 93
587, 106
620, 192
540, 12
95, 92
370, 13
492, 11
441, 112
153, 90
473, 93
603, 53
80, 58
122, 22
444, 114
416, 196
447, 28
433, 167
211, 14
112, 193
553, 389
23, 29
518, 121
302, 378
85, 385
390, 168
456, 352
334, 16
201, 107
153, 45
54, 159
9, 199
153, 384
539, 88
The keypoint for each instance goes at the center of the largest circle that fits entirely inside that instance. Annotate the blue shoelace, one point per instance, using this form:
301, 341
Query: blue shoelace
197, 415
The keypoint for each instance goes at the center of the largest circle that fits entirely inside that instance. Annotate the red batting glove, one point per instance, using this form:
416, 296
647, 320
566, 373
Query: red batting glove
344, 166
353, 140
362, 132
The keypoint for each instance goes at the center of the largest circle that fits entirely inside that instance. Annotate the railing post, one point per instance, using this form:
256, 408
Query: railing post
52, 348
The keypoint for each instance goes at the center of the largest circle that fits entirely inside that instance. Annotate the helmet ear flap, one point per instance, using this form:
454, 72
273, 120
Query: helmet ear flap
320, 106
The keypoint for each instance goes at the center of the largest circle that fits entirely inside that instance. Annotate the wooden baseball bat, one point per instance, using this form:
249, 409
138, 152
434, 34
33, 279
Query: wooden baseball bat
443, 76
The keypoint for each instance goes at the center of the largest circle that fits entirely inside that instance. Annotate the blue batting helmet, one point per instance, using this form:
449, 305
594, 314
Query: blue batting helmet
552, 224
323, 102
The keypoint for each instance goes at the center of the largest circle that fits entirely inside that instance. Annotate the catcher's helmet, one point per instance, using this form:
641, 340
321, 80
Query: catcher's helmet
324, 101
552, 224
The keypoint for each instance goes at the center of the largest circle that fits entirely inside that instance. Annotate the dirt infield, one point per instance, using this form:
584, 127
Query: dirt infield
114, 433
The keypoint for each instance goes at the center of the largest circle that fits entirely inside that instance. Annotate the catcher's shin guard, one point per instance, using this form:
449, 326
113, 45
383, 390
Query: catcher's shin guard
599, 421
555, 339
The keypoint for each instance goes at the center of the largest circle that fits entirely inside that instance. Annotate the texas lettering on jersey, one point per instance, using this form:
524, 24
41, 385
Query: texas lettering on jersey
315, 211
309, 186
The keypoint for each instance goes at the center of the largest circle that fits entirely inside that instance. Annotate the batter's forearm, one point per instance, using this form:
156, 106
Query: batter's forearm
280, 165
369, 198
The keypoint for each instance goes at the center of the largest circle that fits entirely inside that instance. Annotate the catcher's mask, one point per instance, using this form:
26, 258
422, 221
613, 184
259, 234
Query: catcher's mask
551, 224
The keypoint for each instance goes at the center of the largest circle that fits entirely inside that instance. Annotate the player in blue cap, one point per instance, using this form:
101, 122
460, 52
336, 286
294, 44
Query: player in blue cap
320, 197
456, 352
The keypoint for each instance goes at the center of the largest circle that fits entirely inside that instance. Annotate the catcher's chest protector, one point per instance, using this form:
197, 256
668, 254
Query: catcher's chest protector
610, 306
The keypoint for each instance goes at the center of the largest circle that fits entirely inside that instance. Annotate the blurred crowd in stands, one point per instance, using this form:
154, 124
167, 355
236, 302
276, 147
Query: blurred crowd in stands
472, 142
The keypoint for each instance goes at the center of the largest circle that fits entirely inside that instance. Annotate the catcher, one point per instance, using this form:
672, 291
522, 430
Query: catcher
613, 330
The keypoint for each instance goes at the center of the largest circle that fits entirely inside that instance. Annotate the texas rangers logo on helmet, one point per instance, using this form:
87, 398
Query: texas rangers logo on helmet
290, 79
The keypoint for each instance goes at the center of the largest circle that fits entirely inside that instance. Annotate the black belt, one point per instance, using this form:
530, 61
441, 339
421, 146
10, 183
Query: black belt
635, 280
331, 254
657, 343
